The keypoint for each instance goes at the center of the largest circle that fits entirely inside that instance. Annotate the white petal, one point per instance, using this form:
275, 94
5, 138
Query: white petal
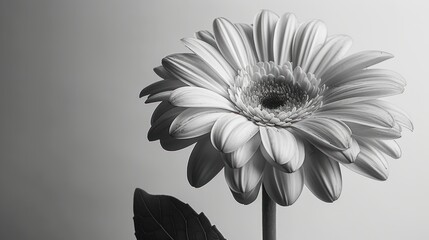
158, 97
376, 132
362, 91
162, 124
263, 34
400, 116
283, 38
245, 179
162, 108
370, 163
246, 32
322, 176
241, 156
308, 39
190, 69
212, 57
346, 156
361, 113
369, 75
162, 72
296, 162
204, 163
325, 132
352, 63
230, 43
194, 122
199, 97
247, 197
161, 86
333, 50
279, 144
207, 37
283, 188
389, 147
231, 131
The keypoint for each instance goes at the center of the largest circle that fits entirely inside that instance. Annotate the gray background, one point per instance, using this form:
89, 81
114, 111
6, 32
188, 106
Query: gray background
73, 131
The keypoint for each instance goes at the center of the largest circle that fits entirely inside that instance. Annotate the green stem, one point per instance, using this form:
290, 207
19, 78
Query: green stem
268, 217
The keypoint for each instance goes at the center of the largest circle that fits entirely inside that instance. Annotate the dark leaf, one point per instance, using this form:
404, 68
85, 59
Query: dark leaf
159, 217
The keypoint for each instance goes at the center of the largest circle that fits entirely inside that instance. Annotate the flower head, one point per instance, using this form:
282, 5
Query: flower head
277, 104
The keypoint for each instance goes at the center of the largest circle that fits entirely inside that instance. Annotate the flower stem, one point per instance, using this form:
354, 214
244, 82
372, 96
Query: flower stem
268, 217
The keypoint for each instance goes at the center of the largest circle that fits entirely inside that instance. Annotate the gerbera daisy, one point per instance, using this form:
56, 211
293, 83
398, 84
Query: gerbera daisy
277, 104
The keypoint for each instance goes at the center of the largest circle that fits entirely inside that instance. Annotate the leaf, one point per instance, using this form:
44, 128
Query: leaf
160, 217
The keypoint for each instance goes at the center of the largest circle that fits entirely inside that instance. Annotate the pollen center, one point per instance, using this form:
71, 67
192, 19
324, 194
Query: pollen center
276, 92
271, 94
273, 101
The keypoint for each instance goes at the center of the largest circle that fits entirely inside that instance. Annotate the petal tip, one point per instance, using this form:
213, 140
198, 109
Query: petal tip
265, 12
386, 55
248, 197
219, 20
411, 127
143, 93
149, 100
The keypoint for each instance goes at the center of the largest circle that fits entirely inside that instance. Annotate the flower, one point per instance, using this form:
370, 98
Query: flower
277, 104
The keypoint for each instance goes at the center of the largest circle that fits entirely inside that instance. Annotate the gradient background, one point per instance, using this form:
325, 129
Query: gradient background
73, 130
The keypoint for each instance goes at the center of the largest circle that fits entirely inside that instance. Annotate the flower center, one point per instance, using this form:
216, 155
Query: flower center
275, 92
270, 94
273, 101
